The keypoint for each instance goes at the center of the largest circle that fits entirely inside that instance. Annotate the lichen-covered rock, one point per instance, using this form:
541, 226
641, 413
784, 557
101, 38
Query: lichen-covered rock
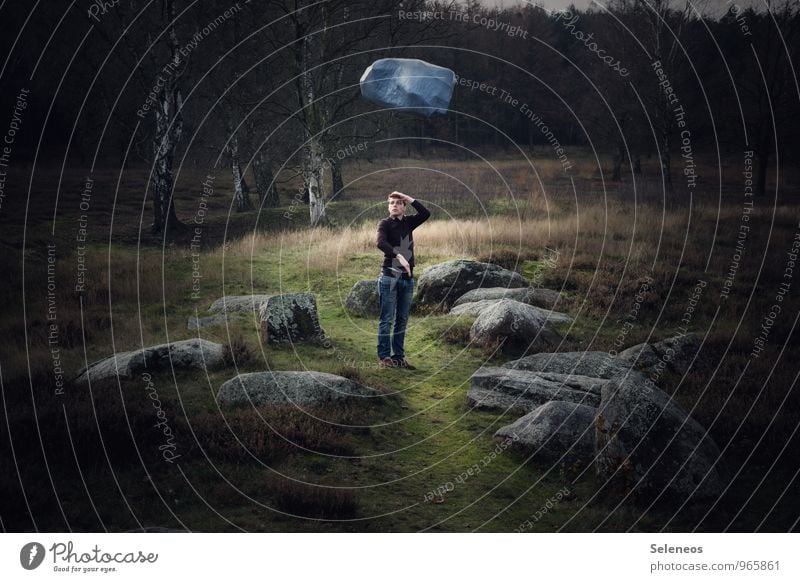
441, 285
538, 296
363, 301
593, 364
482, 294
556, 430
238, 303
477, 307
503, 388
293, 388
674, 354
291, 317
649, 442
541, 297
519, 327
192, 353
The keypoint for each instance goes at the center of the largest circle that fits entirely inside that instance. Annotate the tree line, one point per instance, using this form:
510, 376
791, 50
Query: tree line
272, 87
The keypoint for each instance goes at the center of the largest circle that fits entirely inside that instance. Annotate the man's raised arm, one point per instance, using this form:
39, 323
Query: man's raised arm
421, 216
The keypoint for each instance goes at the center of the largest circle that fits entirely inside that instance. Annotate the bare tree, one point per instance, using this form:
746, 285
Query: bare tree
168, 129
661, 28
329, 44
765, 81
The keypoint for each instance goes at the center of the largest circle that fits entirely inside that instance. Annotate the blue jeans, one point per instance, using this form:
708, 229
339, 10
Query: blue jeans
395, 302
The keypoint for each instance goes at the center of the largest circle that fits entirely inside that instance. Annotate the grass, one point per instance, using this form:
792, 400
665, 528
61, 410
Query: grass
372, 467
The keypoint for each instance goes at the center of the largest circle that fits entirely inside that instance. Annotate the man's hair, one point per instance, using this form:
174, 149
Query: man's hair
396, 196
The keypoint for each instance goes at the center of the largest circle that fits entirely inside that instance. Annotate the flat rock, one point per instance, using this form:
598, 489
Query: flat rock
281, 388
593, 364
646, 439
238, 303
444, 283
538, 296
556, 430
520, 327
477, 307
492, 387
674, 354
192, 353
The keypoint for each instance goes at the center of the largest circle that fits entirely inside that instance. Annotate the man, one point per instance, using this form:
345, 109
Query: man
396, 281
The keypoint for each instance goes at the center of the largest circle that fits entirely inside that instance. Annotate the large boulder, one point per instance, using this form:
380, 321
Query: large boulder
555, 430
296, 388
238, 303
363, 299
674, 354
291, 317
192, 353
477, 307
502, 388
593, 364
538, 296
517, 326
443, 284
541, 297
651, 444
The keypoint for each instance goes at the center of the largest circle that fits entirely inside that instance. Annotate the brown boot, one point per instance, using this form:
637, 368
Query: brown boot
403, 363
387, 363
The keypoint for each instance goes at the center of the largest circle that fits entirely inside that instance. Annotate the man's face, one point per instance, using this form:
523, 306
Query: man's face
396, 208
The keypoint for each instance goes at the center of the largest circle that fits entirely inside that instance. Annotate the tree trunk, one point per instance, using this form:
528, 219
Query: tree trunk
619, 159
336, 178
313, 179
241, 193
169, 126
761, 175
265, 181
665, 155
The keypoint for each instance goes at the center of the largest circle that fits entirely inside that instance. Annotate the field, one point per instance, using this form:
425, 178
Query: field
89, 461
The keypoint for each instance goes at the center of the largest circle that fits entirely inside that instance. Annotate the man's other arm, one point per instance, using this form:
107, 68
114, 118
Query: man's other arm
383, 239
421, 216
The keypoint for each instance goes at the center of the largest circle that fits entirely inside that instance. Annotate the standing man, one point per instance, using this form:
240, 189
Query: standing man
396, 281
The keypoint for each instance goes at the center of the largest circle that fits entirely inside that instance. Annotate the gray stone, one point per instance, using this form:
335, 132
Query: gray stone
192, 353
503, 388
555, 430
647, 440
541, 297
293, 388
477, 307
518, 293
674, 354
593, 364
238, 303
362, 300
538, 296
442, 284
291, 317
521, 328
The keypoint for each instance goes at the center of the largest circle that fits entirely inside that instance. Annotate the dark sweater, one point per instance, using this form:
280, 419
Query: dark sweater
395, 236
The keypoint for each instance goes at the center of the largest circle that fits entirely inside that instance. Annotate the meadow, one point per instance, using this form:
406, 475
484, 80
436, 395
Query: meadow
88, 460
